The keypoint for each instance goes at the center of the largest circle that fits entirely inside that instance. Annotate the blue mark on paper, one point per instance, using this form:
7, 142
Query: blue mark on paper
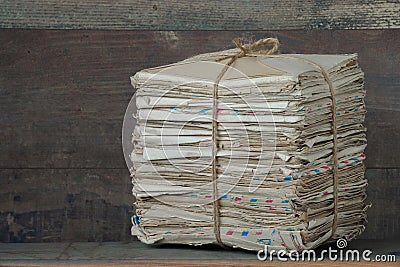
288, 178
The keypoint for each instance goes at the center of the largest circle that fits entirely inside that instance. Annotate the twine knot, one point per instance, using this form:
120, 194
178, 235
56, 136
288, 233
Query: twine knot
252, 48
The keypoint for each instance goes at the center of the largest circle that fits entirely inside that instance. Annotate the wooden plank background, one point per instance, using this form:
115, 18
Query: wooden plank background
63, 95
200, 15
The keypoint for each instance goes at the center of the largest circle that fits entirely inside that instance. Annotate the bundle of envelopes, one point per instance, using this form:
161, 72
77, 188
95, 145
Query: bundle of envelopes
275, 151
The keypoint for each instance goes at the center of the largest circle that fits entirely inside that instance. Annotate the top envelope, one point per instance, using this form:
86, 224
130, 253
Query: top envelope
256, 69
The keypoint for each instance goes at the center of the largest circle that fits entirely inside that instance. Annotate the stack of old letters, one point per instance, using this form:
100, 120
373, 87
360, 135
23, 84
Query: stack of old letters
276, 138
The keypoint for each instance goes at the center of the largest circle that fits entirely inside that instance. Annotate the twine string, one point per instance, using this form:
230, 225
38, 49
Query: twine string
335, 178
254, 49
244, 50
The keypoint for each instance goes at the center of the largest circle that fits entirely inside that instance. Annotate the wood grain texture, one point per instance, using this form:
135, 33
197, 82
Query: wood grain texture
64, 93
200, 15
65, 205
90, 254
384, 196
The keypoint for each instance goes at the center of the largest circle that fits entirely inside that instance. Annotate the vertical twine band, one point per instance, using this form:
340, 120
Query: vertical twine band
335, 178
335, 152
216, 200
244, 50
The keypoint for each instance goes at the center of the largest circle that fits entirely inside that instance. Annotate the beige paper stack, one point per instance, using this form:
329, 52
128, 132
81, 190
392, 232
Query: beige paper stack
276, 136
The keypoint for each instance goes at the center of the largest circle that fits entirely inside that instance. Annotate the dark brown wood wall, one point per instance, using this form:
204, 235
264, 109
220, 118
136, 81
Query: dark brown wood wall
63, 94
